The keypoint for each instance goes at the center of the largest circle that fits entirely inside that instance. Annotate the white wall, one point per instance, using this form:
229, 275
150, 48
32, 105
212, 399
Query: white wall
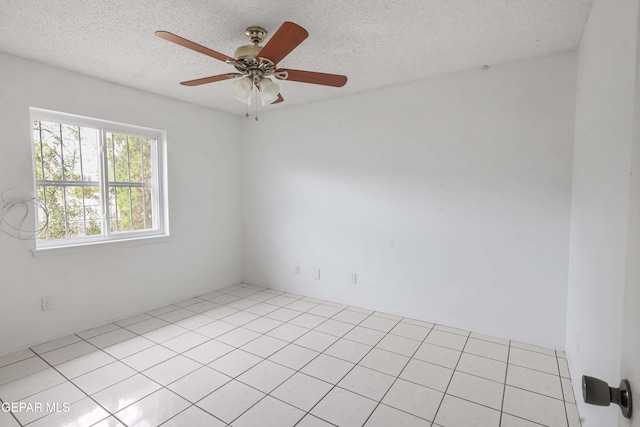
601, 196
450, 198
103, 284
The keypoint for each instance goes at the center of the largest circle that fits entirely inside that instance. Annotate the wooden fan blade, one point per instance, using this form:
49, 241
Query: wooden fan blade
212, 79
279, 100
325, 79
193, 46
287, 38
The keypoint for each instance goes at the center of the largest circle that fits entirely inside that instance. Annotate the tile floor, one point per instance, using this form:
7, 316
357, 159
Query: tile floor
250, 356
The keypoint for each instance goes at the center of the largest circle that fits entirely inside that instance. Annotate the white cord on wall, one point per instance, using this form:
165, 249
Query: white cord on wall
15, 212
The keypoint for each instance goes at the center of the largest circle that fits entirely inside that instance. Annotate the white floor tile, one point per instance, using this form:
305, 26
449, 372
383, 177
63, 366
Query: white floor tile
153, 409
82, 413
572, 415
438, 355
446, 339
360, 310
147, 358
288, 332
133, 319
398, 344
170, 370
201, 307
263, 325
478, 390
230, 401
281, 301
17, 357
567, 390
379, 323
387, 315
83, 364
302, 391
176, 315
415, 399
301, 305
487, 349
208, 352
334, 327
490, 338
385, 416
199, 383
325, 310
533, 360
311, 421
188, 302
262, 309
511, 421
126, 392
427, 374
185, 342
344, 408
349, 316
482, 367
327, 368
31, 384
238, 337
165, 333
70, 352
456, 412
7, 420
315, 340
111, 338
235, 362
564, 368
348, 350
128, 347
264, 346
240, 318
220, 312
531, 347
90, 333
194, 417
215, 329
367, 382
535, 407
103, 377
451, 330
147, 325
385, 361
224, 299
364, 335
294, 356
266, 376
407, 330
270, 412
53, 398
418, 323
55, 344
536, 381
283, 314
307, 320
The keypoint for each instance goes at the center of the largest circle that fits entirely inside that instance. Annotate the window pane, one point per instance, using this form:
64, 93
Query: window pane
117, 154
70, 154
75, 211
51, 152
54, 197
148, 208
147, 172
89, 146
92, 211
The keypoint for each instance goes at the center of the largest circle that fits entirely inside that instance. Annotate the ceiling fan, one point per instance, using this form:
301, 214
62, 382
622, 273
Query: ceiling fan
255, 63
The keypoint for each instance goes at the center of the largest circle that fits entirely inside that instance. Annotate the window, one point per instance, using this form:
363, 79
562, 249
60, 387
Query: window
99, 180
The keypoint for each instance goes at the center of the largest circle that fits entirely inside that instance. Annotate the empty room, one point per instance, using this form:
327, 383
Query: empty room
380, 214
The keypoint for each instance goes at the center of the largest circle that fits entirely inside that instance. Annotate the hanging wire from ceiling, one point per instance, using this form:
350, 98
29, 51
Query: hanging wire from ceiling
15, 211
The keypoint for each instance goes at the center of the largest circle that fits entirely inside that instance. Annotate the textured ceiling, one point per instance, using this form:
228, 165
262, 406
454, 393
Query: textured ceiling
376, 43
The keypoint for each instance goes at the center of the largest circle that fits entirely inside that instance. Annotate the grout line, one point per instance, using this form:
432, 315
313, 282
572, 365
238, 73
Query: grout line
504, 388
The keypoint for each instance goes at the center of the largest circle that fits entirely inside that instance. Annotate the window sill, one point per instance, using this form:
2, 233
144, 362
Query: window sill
105, 244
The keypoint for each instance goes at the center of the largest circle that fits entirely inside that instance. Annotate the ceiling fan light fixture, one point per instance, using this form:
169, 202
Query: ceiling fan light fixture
242, 89
268, 91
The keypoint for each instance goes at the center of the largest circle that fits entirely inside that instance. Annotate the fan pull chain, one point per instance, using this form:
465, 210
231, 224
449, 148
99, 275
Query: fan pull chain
256, 105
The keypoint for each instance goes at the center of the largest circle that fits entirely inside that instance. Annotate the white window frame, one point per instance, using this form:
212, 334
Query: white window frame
160, 213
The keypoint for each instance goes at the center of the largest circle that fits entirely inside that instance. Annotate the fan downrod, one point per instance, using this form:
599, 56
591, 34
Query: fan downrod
256, 34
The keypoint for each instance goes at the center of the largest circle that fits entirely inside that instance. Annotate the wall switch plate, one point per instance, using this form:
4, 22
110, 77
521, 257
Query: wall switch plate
316, 275
296, 269
354, 278
47, 303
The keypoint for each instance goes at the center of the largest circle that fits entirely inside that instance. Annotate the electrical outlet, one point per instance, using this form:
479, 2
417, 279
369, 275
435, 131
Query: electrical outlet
296, 269
47, 303
354, 278
316, 275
